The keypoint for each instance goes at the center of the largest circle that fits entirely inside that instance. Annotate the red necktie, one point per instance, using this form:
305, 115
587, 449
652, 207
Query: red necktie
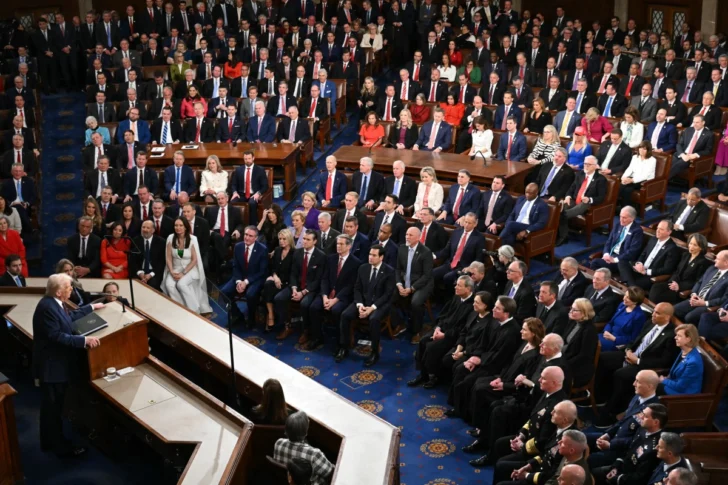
252, 50
462, 94
423, 236
432, 93
246, 257
19, 160
145, 215
197, 133
459, 252
247, 184
329, 186
312, 112
230, 129
703, 110
338, 269
222, 221
388, 111
508, 152
416, 74
103, 210
521, 72
304, 270
456, 208
629, 86
582, 189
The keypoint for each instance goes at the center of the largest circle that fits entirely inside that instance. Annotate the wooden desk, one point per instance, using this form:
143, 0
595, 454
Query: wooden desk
445, 164
266, 154
11, 470
369, 446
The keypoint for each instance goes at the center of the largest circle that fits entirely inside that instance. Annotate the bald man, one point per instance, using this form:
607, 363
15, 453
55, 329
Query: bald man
572, 475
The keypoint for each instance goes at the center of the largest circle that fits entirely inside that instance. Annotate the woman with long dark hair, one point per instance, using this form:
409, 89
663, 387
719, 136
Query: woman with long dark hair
184, 276
114, 263
272, 409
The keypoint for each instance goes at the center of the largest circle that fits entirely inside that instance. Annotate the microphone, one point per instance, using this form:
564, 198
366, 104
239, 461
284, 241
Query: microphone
482, 155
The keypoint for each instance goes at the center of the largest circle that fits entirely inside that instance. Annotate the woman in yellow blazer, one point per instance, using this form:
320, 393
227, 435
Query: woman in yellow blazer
177, 70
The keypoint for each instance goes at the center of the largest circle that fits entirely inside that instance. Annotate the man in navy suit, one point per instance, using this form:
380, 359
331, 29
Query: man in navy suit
463, 198
623, 243
360, 243
465, 246
369, 184
506, 110
330, 50
373, 293
140, 128
231, 129
388, 215
512, 145
337, 288
19, 191
54, 357
250, 269
661, 134
332, 185
293, 129
708, 292
695, 142
140, 176
178, 178
262, 126
660, 257
442, 138
327, 88
571, 114
248, 184
530, 214
495, 208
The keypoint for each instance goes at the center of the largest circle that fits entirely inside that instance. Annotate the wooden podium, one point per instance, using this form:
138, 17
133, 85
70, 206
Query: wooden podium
10, 470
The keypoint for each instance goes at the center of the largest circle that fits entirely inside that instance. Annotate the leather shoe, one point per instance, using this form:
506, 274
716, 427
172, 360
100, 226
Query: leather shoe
480, 462
451, 413
432, 382
285, 333
475, 432
416, 381
303, 338
313, 344
341, 354
372, 359
473, 447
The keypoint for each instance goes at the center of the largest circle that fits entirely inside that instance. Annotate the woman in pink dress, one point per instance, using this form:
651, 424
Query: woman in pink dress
721, 157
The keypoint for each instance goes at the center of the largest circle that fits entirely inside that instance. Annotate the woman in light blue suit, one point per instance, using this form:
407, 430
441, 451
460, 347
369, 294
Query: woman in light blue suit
686, 374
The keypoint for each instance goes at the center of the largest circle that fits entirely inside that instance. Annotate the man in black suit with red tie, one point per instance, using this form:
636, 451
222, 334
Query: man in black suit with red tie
226, 225
433, 235
248, 184
434, 89
466, 245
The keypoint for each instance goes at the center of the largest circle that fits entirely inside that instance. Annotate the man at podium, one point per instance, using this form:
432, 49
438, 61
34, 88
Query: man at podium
54, 348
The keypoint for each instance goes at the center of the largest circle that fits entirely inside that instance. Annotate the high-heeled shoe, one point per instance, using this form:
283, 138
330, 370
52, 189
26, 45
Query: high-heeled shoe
270, 324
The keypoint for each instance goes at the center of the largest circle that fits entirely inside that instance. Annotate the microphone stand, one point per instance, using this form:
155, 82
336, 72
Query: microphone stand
485, 160
133, 250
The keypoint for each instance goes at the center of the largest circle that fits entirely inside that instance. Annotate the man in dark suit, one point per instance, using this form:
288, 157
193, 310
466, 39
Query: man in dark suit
248, 184
675, 109
13, 276
373, 293
690, 89
178, 178
465, 246
554, 95
695, 142
103, 111
307, 270
623, 244
520, 290
608, 76
332, 185
612, 104
54, 358
661, 134
389, 106
84, 250
66, 42
550, 310
399, 184
327, 234
571, 282
530, 213
388, 215
631, 85
293, 129
216, 81
369, 184
351, 209
463, 92
492, 90
140, 175
148, 265
278, 104
708, 109
414, 284
463, 198
604, 300
261, 126
496, 205
102, 176
199, 129
166, 130
709, 291
522, 94
434, 89
659, 257
433, 235
226, 226
588, 189
217, 107
250, 269
46, 53
690, 215
555, 178
360, 242
614, 155
163, 225
506, 110
232, 128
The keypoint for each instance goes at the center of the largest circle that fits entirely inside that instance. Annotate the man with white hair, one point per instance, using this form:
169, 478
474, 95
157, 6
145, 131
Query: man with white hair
262, 126
54, 356
369, 184
332, 185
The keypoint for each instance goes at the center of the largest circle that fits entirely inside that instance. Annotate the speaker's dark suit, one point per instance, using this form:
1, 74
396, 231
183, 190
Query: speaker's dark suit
153, 262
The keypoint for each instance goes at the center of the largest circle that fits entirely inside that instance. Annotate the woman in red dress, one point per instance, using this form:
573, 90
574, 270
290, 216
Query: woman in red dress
421, 112
454, 111
10, 243
187, 109
113, 254
456, 57
371, 133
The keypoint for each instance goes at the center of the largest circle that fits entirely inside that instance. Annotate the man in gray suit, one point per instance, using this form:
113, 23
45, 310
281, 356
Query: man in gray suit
645, 104
647, 65
124, 51
247, 105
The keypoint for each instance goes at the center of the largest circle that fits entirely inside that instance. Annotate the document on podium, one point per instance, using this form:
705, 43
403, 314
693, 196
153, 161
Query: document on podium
89, 324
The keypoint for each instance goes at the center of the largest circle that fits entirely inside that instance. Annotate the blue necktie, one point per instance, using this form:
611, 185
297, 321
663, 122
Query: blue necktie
108, 35
578, 101
176, 181
545, 189
164, 133
622, 235
608, 107
396, 187
19, 189
407, 275
364, 184
244, 93
524, 212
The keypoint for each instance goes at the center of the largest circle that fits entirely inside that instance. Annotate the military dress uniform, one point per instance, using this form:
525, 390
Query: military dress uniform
635, 466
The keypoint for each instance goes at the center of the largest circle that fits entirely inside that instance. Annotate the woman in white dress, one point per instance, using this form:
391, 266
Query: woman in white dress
632, 130
429, 192
447, 70
184, 276
482, 139
214, 180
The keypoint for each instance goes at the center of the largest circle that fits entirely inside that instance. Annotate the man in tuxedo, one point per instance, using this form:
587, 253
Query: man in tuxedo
327, 235
555, 178
612, 104
178, 178
529, 214
373, 291
351, 209
520, 290
332, 185
659, 257
623, 244
148, 265
614, 155
337, 288
54, 358
13, 276
588, 189
463, 198
690, 214
84, 250
465, 246
550, 310
645, 104
307, 270
248, 184
695, 142
495, 207
250, 269
435, 135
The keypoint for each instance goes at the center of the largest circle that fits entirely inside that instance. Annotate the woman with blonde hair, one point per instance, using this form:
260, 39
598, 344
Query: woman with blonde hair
372, 38
578, 149
92, 209
686, 374
368, 97
429, 192
309, 210
403, 135
539, 117
580, 340
545, 148
280, 273
597, 126
298, 228
214, 179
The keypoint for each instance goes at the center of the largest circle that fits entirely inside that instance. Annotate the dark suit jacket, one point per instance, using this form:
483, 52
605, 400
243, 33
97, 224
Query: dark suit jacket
703, 147
677, 111
93, 253
258, 181
330, 246
420, 271
375, 187
340, 217
343, 284
574, 289
553, 318
525, 299
381, 294
338, 188
635, 89
717, 293
91, 182
54, 345
7, 280
208, 87
399, 227
223, 132
712, 116
696, 90
470, 93
667, 139
631, 245
558, 100
407, 190
618, 105
469, 203
157, 260
665, 262
267, 132
174, 127
621, 159
596, 190
538, 216
473, 250
396, 106
207, 130
579, 351
234, 220
436, 238
302, 134
660, 354
315, 271
604, 304
28, 190
29, 162
697, 219
440, 91
560, 183
256, 271
501, 211
360, 247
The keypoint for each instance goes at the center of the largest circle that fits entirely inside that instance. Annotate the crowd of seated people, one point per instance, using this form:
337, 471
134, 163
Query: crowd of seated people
604, 105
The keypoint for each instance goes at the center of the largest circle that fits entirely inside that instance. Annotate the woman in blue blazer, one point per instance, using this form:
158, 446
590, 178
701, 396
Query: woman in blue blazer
627, 322
686, 374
